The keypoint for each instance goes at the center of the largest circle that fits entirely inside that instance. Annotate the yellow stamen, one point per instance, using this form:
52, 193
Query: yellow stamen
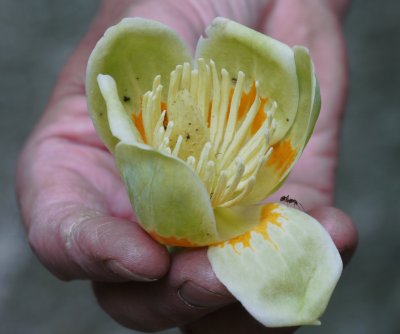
220, 129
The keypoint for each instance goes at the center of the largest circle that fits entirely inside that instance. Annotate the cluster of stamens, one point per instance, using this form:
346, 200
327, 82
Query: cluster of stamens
231, 154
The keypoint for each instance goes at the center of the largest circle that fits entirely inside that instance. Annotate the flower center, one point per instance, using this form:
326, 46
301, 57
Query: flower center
211, 122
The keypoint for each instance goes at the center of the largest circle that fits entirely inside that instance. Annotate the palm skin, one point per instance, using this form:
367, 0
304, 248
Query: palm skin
75, 208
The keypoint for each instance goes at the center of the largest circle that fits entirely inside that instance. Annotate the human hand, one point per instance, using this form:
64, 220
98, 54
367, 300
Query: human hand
76, 211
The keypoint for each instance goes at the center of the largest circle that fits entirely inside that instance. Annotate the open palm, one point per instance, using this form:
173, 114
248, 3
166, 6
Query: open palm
77, 213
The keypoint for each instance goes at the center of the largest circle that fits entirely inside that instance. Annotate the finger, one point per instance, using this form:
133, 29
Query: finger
321, 33
189, 18
340, 7
190, 291
96, 247
314, 24
341, 228
65, 205
233, 319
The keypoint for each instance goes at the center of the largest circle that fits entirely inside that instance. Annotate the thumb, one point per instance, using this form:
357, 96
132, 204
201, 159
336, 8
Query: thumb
74, 242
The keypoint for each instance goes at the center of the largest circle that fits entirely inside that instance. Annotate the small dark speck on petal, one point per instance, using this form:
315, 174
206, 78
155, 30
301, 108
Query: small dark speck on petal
126, 98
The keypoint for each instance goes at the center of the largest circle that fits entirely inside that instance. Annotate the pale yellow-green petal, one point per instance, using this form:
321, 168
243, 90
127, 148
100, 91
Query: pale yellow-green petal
168, 198
133, 52
288, 150
236, 220
121, 125
283, 271
239, 48
315, 111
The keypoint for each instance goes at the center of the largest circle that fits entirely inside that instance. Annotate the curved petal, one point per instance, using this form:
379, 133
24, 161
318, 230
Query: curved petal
287, 151
133, 52
121, 126
283, 271
238, 48
315, 110
236, 220
168, 198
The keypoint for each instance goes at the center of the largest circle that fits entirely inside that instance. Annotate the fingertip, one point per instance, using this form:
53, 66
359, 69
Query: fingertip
197, 284
113, 249
341, 228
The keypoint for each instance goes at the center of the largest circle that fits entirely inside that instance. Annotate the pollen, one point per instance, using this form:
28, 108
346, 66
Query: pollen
215, 121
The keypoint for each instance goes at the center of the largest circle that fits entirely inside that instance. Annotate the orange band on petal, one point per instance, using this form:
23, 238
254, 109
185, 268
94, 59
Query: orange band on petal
138, 121
269, 215
172, 241
260, 117
282, 157
246, 101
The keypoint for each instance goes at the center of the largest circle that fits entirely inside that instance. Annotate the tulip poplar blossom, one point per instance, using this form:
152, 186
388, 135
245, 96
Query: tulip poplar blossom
200, 143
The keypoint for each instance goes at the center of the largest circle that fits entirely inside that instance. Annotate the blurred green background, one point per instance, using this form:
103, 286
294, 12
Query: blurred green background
36, 37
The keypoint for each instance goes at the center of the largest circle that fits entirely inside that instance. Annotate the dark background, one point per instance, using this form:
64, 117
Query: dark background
36, 38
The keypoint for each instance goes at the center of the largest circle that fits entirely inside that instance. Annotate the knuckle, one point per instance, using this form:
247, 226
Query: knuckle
46, 254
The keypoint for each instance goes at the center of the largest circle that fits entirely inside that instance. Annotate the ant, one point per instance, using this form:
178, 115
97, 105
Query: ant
292, 201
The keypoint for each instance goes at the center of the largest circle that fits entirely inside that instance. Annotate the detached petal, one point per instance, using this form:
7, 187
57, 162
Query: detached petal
133, 52
283, 271
238, 48
288, 150
168, 198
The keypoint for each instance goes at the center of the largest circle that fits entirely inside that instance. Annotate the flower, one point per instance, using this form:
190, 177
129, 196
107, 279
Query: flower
199, 145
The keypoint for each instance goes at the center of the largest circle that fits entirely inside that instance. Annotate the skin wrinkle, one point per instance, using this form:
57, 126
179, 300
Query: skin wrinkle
63, 223
53, 135
97, 239
34, 168
170, 308
328, 136
325, 54
313, 163
209, 10
74, 168
61, 120
194, 22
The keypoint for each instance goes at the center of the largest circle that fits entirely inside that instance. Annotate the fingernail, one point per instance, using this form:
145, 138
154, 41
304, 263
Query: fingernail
196, 296
118, 269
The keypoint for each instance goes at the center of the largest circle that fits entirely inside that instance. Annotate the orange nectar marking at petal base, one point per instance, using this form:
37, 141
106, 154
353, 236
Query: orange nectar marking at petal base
164, 107
282, 156
261, 116
246, 101
138, 119
171, 241
269, 215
